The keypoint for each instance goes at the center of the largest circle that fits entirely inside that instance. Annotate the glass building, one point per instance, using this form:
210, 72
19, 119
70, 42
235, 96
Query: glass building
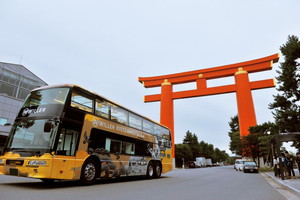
16, 81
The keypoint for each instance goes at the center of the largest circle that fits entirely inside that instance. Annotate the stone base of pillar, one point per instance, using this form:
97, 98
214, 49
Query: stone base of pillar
173, 163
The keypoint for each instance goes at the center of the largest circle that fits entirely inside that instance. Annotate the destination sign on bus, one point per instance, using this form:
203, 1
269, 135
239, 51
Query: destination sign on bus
115, 127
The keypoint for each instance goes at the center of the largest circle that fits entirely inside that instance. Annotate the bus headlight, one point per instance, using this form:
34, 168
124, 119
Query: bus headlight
1, 161
37, 162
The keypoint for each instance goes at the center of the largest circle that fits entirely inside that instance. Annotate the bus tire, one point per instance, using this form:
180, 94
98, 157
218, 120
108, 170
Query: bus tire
89, 172
150, 170
157, 170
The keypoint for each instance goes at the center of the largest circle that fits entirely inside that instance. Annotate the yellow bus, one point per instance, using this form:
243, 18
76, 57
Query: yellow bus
66, 132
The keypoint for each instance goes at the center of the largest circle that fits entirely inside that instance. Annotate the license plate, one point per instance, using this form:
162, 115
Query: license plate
13, 172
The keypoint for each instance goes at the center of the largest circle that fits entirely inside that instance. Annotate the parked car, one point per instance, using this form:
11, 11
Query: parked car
239, 164
250, 166
191, 164
200, 162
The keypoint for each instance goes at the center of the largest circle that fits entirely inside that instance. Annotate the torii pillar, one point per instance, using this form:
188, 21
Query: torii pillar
242, 87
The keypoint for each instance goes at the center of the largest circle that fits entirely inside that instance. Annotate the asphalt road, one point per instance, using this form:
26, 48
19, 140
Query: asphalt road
205, 184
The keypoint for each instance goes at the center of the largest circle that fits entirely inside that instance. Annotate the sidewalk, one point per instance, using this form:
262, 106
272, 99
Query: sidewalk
293, 183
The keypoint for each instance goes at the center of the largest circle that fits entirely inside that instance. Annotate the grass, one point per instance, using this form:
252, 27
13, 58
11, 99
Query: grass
266, 169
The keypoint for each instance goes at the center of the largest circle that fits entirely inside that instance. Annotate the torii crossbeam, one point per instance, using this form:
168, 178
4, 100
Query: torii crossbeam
242, 88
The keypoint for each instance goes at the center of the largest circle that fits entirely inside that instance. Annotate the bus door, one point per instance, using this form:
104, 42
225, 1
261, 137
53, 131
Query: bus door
64, 162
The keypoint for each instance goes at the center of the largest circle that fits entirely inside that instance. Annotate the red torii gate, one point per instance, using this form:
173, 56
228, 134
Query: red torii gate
242, 88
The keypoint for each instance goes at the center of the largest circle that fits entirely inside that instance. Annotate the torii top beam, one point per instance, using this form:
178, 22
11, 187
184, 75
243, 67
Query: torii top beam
200, 77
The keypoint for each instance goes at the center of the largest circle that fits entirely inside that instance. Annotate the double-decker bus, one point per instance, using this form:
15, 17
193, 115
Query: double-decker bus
65, 132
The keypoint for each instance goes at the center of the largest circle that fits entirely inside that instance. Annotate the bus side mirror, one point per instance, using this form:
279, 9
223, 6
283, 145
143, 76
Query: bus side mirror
47, 126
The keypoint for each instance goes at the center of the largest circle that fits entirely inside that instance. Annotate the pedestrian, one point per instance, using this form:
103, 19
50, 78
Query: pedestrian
290, 164
298, 161
276, 166
284, 166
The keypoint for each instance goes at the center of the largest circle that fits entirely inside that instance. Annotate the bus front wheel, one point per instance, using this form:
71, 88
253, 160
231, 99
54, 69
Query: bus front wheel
89, 172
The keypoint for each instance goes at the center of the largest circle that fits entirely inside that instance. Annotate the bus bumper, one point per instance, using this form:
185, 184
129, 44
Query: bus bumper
32, 167
44, 167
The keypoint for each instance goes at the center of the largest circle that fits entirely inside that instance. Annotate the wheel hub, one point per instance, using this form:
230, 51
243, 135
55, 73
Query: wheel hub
90, 171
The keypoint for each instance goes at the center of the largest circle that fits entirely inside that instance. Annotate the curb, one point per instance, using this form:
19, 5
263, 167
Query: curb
283, 183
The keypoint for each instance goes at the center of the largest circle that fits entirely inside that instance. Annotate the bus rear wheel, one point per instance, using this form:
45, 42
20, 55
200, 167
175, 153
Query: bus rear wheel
157, 170
89, 172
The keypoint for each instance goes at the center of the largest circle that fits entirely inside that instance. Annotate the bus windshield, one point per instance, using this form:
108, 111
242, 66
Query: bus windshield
45, 97
30, 134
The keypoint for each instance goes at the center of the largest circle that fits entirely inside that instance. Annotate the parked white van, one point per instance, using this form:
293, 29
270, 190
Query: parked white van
239, 164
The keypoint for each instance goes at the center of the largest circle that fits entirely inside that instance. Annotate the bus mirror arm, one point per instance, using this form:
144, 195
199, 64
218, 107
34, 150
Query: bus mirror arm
56, 120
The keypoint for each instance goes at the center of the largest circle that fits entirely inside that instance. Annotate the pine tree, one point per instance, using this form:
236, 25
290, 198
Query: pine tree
191, 140
286, 104
257, 143
182, 152
234, 134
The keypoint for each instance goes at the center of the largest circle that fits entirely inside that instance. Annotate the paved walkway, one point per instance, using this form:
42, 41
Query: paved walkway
293, 183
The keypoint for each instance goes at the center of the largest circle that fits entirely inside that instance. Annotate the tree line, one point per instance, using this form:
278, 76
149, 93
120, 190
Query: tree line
192, 148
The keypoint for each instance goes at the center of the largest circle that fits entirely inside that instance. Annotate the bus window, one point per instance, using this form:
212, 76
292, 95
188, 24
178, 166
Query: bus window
135, 121
29, 134
157, 130
128, 148
67, 142
102, 108
81, 102
113, 146
166, 133
45, 97
143, 148
119, 115
166, 137
97, 139
147, 126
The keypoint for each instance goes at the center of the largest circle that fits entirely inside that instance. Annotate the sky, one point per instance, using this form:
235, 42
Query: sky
104, 46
